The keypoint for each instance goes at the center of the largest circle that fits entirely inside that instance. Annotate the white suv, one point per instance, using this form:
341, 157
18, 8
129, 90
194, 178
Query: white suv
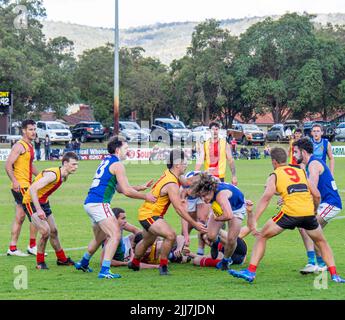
56, 131
340, 132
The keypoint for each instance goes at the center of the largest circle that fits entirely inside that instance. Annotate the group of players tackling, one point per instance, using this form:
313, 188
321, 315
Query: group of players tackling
308, 198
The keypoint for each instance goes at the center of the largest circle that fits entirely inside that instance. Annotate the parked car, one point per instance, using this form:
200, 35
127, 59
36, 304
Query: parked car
56, 131
132, 132
202, 133
247, 134
277, 132
86, 131
328, 129
340, 132
170, 130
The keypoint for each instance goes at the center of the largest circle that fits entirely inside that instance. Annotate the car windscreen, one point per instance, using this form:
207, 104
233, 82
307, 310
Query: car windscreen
130, 126
55, 126
94, 125
251, 127
175, 125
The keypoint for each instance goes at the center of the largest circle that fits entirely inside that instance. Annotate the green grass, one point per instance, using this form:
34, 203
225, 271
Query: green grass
277, 277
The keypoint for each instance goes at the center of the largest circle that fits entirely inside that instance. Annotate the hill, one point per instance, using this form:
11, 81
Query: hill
165, 41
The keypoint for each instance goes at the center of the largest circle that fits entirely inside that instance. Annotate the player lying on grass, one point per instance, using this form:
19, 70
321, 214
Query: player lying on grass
36, 206
300, 202
228, 206
238, 257
110, 176
151, 215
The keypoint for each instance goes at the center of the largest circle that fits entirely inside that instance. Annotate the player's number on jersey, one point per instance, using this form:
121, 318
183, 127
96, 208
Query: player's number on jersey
99, 174
293, 174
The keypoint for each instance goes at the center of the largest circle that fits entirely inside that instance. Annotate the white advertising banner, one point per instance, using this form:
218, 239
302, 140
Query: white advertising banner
133, 154
338, 151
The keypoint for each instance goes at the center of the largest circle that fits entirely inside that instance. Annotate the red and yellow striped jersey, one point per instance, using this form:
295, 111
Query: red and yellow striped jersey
160, 207
22, 167
46, 191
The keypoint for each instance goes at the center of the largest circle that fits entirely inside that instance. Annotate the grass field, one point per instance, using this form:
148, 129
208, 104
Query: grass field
277, 277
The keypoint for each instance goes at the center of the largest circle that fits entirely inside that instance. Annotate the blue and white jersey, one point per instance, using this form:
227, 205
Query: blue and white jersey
320, 149
189, 175
236, 200
104, 182
327, 186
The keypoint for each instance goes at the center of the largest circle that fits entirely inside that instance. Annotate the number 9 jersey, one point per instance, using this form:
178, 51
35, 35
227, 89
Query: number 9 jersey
104, 182
292, 185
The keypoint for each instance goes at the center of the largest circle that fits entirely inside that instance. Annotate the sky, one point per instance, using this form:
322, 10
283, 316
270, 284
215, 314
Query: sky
133, 13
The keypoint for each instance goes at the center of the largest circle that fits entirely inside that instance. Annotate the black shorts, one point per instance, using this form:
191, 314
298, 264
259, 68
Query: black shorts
149, 221
30, 209
240, 252
287, 222
18, 195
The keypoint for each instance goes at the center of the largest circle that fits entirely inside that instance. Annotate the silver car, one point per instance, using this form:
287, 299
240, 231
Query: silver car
132, 132
340, 132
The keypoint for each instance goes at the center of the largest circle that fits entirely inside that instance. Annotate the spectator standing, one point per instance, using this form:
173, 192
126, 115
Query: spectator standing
37, 143
267, 151
76, 147
47, 144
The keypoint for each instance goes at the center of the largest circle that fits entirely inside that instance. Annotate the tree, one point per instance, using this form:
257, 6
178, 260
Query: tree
210, 54
272, 55
38, 73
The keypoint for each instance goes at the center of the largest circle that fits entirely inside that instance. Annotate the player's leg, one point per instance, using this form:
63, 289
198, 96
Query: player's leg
161, 228
325, 213
32, 248
43, 228
234, 228
16, 228
111, 228
213, 228
205, 261
62, 260
141, 248
95, 243
269, 230
326, 252
310, 267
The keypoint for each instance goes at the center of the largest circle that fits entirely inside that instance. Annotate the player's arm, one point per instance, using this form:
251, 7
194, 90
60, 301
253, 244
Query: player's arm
223, 200
269, 192
200, 158
231, 163
144, 186
118, 170
34, 171
16, 151
47, 178
315, 193
184, 225
180, 243
315, 170
172, 190
331, 158
130, 228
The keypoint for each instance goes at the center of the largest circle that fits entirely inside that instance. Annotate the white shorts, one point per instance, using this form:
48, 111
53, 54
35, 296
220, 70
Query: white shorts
192, 203
98, 211
240, 213
327, 212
